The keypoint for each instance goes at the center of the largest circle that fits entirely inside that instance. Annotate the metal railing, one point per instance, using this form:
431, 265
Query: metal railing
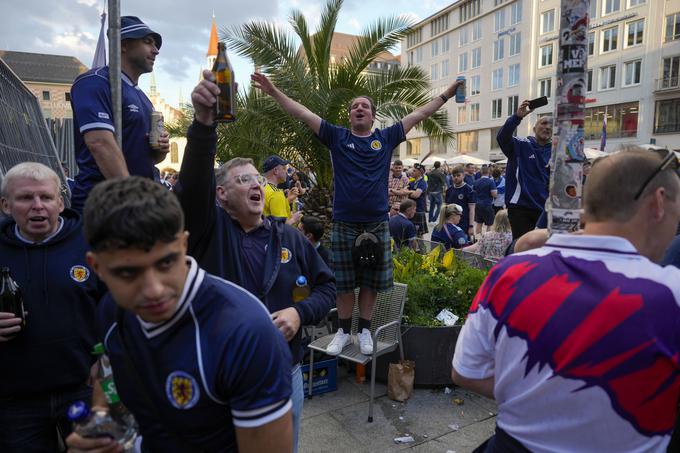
24, 136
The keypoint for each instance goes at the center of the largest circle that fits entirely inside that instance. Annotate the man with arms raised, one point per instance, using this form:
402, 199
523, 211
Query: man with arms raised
236, 242
578, 340
196, 359
361, 166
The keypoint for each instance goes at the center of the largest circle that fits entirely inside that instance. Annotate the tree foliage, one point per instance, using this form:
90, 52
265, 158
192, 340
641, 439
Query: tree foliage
300, 65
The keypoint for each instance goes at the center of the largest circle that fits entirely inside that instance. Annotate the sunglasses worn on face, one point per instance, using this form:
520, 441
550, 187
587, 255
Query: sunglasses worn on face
669, 161
247, 179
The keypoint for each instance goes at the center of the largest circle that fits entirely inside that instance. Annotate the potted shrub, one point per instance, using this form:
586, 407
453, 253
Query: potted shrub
435, 282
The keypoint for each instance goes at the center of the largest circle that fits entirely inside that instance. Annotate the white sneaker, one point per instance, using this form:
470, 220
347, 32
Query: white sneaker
365, 342
339, 341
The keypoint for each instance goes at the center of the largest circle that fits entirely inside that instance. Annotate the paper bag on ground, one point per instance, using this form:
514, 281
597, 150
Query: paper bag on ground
400, 380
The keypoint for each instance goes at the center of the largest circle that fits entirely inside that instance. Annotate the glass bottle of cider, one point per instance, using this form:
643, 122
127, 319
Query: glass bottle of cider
225, 107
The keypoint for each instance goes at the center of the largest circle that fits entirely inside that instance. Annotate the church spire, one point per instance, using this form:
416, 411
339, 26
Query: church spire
212, 45
152, 85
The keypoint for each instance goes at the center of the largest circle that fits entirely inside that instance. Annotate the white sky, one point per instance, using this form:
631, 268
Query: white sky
71, 27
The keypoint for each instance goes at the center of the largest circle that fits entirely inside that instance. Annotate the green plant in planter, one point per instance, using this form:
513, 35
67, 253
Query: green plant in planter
435, 282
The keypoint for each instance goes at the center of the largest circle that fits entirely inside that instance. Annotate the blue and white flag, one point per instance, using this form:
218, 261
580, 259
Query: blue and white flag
99, 59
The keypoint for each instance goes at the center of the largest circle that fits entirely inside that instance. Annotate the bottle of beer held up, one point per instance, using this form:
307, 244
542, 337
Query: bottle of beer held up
225, 108
10, 298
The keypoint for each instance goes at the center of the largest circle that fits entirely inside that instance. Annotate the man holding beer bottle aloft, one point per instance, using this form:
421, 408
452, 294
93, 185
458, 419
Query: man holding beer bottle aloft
99, 156
45, 353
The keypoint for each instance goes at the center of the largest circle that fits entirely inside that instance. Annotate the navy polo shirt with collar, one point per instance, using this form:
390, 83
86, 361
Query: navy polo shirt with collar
421, 201
253, 247
92, 110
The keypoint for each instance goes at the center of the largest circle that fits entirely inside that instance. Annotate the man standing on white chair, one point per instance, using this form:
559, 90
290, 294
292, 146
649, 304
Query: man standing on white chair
361, 167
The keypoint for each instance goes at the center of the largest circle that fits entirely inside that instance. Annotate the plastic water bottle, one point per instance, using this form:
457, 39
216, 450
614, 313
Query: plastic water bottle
301, 290
119, 413
460, 91
100, 423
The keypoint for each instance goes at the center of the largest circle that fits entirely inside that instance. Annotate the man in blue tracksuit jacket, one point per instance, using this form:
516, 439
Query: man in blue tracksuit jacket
234, 241
45, 367
527, 175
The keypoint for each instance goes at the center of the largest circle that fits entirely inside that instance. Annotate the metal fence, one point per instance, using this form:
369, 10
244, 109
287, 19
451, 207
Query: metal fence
475, 260
24, 136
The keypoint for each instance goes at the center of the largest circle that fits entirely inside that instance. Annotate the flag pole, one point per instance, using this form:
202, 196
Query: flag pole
114, 68
564, 198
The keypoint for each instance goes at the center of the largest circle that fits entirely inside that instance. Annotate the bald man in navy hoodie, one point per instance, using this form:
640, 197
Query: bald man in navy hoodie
527, 175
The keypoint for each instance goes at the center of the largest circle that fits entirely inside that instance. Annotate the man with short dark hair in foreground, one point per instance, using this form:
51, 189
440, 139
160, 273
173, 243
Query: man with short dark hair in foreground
578, 340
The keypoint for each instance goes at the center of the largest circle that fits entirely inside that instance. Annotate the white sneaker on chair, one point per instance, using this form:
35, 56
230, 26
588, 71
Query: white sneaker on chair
339, 341
365, 342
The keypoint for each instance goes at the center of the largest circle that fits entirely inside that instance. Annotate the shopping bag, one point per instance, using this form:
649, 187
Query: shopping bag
400, 379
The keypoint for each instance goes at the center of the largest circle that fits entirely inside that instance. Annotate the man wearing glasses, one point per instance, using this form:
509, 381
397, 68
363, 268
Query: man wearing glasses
578, 340
234, 241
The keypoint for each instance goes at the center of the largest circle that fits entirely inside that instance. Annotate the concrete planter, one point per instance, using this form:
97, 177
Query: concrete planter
431, 348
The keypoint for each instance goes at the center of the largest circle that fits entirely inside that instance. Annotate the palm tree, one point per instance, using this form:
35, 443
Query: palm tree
300, 66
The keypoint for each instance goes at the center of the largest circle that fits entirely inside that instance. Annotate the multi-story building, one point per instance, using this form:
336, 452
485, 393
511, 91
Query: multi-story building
49, 77
508, 51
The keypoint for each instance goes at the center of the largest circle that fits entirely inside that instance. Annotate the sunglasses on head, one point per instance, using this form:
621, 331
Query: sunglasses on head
668, 160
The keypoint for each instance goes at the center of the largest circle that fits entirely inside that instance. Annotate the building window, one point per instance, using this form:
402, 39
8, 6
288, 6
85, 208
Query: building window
516, 12
469, 9
546, 56
434, 48
513, 75
477, 30
671, 70
610, 39
547, 21
634, 32
608, 77
474, 112
497, 79
414, 37
462, 37
498, 2
610, 6
475, 83
589, 80
632, 3
631, 72
476, 57
591, 43
445, 69
46, 95
462, 115
499, 20
419, 55
498, 49
462, 62
67, 97
496, 109
515, 44
513, 105
667, 116
468, 142
410, 58
622, 121
174, 153
673, 27
545, 87
592, 11
434, 71
439, 25
445, 44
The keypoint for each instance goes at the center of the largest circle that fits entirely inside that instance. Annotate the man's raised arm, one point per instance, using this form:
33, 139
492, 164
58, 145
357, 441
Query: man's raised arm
424, 112
293, 108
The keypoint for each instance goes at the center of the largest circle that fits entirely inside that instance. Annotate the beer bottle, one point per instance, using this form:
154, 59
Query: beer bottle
10, 298
301, 289
225, 108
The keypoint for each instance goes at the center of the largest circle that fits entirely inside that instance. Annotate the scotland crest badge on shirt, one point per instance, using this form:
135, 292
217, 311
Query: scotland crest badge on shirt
376, 145
182, 390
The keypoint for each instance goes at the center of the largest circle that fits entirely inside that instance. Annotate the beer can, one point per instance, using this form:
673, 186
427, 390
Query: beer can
157, 127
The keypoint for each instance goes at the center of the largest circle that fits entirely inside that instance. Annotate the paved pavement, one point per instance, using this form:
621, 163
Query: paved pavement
337, 421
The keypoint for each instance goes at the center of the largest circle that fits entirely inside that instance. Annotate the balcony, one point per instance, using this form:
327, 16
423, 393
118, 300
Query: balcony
668, 84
